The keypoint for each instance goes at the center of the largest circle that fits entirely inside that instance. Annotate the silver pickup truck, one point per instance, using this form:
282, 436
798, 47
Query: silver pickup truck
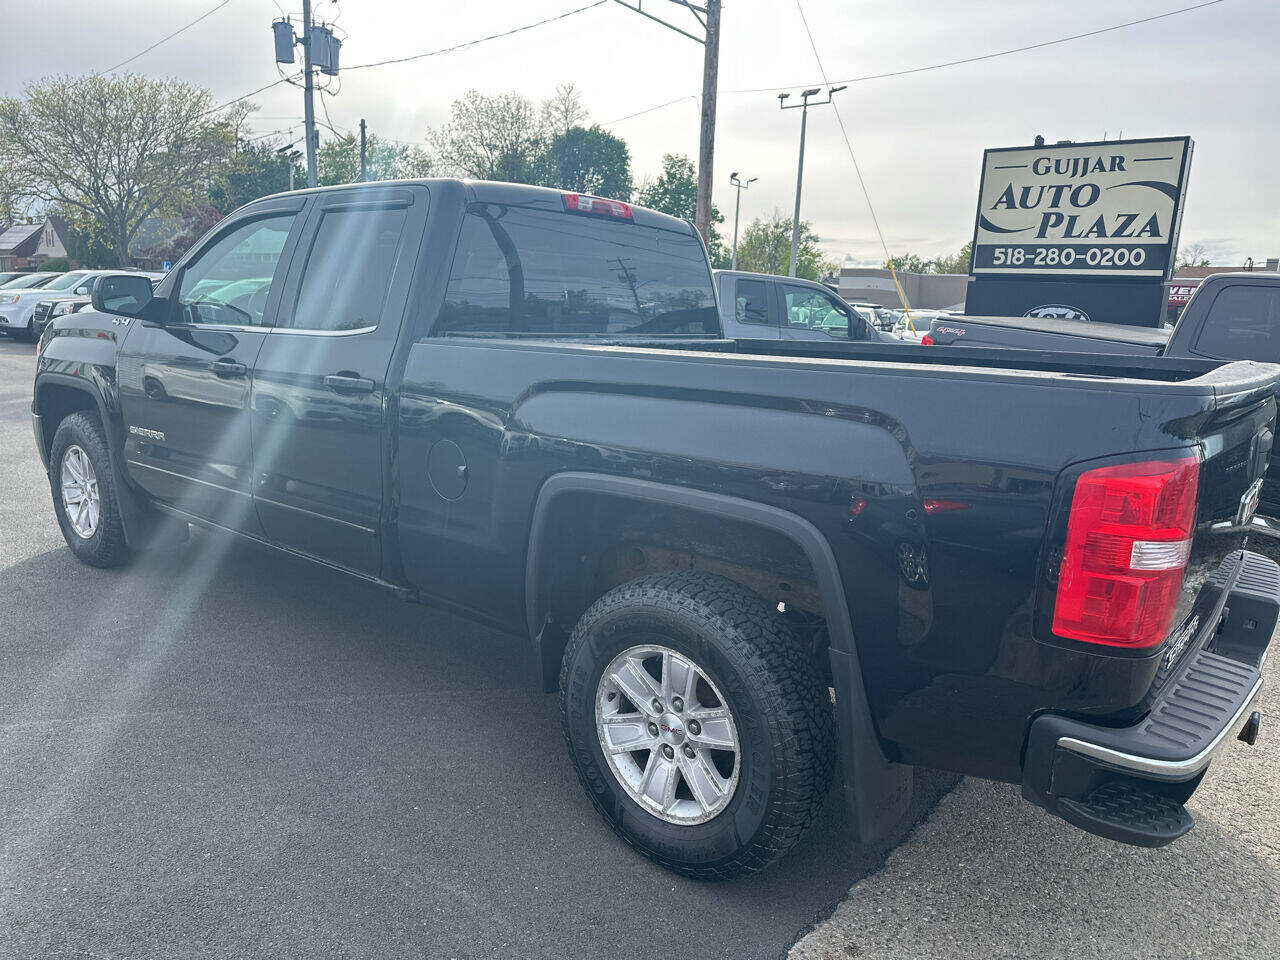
761, 306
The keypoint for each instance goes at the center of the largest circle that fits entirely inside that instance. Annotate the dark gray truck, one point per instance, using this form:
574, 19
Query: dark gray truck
736, 560
1232, 316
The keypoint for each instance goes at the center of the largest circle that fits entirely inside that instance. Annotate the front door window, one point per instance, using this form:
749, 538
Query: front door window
228, 284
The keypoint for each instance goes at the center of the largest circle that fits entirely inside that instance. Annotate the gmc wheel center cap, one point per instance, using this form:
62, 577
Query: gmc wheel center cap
671, 729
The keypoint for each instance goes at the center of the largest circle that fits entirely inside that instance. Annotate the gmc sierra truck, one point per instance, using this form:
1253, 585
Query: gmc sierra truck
1231, 316
737, 561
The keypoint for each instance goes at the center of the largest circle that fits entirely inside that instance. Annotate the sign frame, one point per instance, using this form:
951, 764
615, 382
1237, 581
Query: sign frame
1079, 274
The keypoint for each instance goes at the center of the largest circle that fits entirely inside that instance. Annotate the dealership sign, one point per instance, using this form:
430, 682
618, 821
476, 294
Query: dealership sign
1083, 231
1108, 209
1180, 295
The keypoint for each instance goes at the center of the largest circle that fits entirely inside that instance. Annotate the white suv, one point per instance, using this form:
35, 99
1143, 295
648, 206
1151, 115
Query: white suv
18, 306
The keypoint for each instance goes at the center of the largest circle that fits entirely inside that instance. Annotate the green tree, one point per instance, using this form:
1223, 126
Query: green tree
87, 243
958, 262
765, 247
118, 149
587, 160
675, 192
14, 194
338, 161
506, 137
254, 170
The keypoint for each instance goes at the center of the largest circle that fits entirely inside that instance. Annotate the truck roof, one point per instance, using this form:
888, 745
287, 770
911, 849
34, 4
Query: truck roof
493, 191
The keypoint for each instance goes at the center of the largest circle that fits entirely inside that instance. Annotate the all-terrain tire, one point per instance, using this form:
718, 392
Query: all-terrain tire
106, 547
780, 707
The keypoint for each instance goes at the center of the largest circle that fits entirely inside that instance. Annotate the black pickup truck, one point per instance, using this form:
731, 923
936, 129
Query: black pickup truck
735, 560
1231, 316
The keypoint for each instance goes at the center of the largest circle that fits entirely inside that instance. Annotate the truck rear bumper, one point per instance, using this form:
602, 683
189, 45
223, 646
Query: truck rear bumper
1263, 526
1129, 783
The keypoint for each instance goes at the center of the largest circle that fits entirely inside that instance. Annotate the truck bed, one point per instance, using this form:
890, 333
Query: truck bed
911, 358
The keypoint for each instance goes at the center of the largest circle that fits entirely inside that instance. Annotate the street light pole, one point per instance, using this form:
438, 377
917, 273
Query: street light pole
292, 157
737, 206
804, 119
364, 174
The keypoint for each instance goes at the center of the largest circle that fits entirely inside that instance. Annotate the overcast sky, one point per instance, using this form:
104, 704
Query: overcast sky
1211, 73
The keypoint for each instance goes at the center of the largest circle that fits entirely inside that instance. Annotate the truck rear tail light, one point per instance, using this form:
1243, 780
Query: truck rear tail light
581, 203
927, 341
1128, 541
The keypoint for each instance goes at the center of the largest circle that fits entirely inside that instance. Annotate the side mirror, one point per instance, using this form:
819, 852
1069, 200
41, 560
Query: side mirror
122, 293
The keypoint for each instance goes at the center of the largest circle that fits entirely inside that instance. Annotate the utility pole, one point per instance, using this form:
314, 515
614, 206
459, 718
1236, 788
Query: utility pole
363, 175
707, 135
320, 49
804, 118
308, 108
737, 206
708, 16
628, 276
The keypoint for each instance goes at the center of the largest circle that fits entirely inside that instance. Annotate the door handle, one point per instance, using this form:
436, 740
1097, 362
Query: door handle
348, 383
228, 368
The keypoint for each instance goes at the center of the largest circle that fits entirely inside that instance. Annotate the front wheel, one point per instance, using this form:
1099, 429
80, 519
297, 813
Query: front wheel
697, 723
84, 492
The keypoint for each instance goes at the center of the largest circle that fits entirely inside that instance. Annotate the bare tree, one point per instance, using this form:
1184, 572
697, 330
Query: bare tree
1192, 255
118, 149
563, 111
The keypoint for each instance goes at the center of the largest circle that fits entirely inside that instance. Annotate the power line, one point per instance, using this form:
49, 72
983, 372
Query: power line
849, 144
950, 63
472, 43
324, 105
202, 16
992, 56
251, 93
641, 113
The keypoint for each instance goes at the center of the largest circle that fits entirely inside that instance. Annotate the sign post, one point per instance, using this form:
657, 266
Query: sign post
1083, 231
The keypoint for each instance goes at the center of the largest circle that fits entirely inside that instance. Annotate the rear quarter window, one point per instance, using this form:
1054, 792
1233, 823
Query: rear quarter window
525, 272
1243, 323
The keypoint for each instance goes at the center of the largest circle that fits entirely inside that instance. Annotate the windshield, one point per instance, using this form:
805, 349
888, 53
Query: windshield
30, 281
67, 280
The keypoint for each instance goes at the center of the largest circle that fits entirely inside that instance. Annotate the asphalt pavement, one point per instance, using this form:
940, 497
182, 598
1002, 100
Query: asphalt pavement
219, 751
222, 752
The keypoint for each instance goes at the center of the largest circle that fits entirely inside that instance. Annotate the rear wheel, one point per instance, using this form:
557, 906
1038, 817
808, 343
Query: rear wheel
84, 492
697, 723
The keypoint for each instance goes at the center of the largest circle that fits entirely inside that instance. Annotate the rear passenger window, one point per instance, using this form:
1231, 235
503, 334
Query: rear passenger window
1243, 324
348, 269
520, 271
751, 305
